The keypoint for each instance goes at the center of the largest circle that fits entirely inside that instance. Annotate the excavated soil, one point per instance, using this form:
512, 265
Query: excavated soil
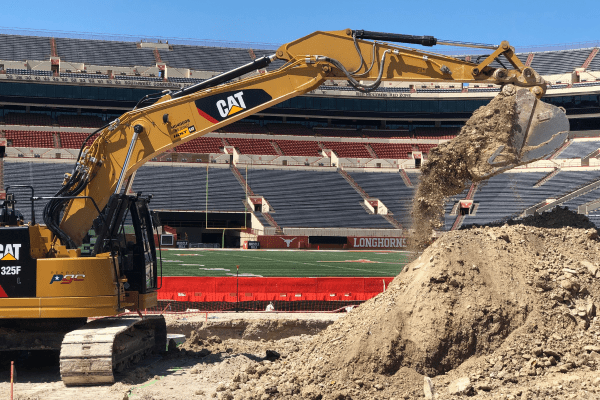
453, 165
501, 308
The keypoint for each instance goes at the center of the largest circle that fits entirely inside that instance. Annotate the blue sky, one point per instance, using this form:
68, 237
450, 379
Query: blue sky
523, 22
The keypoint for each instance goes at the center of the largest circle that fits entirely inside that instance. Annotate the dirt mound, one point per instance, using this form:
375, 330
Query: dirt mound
454, 164
483, 292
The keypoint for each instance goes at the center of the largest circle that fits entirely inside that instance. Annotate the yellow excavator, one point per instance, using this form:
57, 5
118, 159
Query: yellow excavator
49, 290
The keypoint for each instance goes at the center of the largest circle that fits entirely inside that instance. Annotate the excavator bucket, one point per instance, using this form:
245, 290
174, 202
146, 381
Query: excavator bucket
539, 130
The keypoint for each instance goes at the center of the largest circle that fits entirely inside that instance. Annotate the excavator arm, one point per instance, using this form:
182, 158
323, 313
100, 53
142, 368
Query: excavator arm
104, 168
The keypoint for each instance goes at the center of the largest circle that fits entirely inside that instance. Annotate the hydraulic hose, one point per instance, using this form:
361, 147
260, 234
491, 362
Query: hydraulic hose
356, 84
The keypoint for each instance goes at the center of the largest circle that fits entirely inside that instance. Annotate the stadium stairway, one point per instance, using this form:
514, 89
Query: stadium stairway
353, 183
405, 178
546, 178
388, 217
276, 147
266, 216
548, 205
273, 223
241, 180
460, 218
371, 151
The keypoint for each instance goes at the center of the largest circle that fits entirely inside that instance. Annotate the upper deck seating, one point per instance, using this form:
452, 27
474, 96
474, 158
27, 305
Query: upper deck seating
202, 145
392, 150
203, 58
308, 148
253, 146
30, 139
348, 149
559, 62
74, 140
23, 48
436, 133
387, 134
103, 52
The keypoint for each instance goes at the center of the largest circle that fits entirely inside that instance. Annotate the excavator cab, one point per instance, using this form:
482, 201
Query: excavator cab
136, 252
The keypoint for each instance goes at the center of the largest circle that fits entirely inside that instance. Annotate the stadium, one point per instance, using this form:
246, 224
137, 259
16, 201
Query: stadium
333, 169
277, 256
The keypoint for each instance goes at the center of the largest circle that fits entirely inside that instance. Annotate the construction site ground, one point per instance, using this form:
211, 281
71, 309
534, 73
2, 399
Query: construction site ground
495, 312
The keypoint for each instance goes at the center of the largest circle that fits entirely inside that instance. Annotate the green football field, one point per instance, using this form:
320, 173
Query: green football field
298, 263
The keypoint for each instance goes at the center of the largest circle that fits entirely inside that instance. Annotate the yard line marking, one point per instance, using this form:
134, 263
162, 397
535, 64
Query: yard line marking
214, 269
319, 265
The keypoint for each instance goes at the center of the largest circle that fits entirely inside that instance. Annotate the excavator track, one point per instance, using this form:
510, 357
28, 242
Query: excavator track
91, 354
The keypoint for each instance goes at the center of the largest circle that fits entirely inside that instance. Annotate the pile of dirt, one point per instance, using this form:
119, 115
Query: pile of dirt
453, 165
517, 301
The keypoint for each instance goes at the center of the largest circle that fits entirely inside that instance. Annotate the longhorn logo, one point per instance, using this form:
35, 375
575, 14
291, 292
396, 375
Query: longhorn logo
288, 241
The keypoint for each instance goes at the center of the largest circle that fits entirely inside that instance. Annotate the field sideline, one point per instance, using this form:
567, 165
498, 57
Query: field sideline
282, 263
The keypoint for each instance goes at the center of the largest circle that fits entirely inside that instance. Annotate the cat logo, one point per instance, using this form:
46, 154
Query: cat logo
219, 107
234, 104
10, 252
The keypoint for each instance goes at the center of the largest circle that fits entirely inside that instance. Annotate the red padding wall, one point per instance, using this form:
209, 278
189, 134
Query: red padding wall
207, 289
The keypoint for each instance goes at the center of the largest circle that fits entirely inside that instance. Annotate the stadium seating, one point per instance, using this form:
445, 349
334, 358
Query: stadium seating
381, 133
425, 147
392, 150
436, 133
202, 145
511, 193
28, 72
79, 75
594, 64
28, 119
30, 139
253, 146
306, 148
579, 149
475, 89
558, 62
205, 58
314, 199
582, 84
348, 149
74, 140
102, 52
391, 190
439, 90
138, 78
46, 178
23, 48
184, 188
